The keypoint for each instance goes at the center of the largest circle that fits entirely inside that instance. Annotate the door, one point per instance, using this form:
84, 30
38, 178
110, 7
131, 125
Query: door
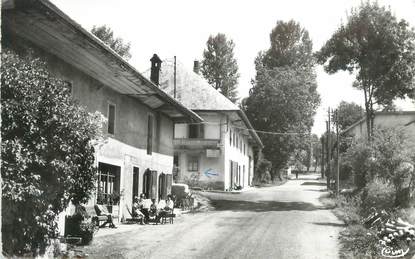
136, 182
249, 171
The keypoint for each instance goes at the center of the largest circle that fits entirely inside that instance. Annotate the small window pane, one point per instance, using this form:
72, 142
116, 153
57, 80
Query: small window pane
193, 163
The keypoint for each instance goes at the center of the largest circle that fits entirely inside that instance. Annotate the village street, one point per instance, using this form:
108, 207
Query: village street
274, 222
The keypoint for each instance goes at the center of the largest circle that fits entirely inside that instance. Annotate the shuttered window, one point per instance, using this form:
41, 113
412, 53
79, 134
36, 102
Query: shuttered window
111, 119
150, 129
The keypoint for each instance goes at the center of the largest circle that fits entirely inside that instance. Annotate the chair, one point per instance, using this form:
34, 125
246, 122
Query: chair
139, 218
167, 214
94, 217
101, 212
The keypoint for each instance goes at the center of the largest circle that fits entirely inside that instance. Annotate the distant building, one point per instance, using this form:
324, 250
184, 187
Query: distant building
218, 153
395, 119
138, 154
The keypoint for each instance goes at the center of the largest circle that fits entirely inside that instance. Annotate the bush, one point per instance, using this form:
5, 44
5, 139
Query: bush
358, 242
393, 161
80, 225
47, 152
262, 172
358, 159
378, 194
349, 208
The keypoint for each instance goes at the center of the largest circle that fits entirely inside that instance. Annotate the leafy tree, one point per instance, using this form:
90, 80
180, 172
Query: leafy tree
379, 49
284, 95
347, 114
219, 65
290, 46
106, 34
47, 152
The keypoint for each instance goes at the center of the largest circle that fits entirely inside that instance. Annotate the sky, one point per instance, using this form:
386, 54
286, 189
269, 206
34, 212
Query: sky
181, 28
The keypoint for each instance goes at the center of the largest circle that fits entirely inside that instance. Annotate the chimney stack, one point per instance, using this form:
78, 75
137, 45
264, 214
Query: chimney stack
155, 69
196, 66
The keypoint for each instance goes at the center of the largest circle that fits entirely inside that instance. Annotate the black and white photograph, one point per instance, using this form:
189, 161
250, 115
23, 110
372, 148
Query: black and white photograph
220, 129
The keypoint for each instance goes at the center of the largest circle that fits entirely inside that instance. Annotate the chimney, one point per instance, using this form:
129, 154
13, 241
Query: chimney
155, 69
196, 66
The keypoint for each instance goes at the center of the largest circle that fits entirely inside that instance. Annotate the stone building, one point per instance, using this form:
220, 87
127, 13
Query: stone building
137, 156
218, 153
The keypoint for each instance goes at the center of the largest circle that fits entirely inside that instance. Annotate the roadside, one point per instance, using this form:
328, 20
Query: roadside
285, 221
356, 240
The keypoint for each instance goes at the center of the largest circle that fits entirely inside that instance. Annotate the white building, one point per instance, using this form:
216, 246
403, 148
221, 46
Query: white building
218, 153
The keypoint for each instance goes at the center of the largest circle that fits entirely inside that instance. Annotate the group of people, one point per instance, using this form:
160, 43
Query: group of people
150, 209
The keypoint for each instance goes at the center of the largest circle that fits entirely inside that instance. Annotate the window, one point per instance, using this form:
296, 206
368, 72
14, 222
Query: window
244, 149
193, 163
193, 131
240, 145
234, 135
108, 184
196, 131
111, 119
230, 137
237, 141
136, 181
150, 134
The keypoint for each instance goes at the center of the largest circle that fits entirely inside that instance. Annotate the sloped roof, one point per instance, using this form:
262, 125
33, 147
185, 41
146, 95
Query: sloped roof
192, 90
46, 26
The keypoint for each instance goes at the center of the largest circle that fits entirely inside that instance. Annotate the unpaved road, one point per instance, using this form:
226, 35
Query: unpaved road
275, 222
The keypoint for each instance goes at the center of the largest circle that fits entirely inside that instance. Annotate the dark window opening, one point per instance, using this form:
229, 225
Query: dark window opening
150, 129
196, 131
111, 119
150, 184
136, 182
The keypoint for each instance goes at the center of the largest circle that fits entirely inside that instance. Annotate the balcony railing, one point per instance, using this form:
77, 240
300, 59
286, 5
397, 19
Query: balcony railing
196, 143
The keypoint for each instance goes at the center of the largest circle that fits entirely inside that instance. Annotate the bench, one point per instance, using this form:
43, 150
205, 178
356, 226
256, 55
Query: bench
167, 215
95, 218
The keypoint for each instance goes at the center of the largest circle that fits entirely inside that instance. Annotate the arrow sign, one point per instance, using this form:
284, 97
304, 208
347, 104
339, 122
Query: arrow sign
210, 172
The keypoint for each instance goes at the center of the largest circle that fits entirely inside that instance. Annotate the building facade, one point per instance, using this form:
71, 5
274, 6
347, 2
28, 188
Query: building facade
137, 154
394, 119
218, 153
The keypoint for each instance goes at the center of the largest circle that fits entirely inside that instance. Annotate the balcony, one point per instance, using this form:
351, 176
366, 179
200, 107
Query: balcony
195, 143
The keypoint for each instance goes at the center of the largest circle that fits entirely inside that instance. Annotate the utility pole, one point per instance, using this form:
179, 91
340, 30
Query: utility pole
174, 91
328, 150
322, 157
338, 154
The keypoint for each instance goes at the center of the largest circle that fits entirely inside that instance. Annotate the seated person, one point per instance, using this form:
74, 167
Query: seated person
166, 206
144, 206
136, 208
101, 211
153, 212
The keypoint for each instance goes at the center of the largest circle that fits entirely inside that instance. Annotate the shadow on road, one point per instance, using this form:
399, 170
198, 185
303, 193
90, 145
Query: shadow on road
314, 183
341, 225
262, 206
315, 190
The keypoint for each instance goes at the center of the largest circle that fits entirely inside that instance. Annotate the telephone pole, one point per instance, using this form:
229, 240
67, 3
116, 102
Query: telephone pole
329, 155
338, 154
322, 157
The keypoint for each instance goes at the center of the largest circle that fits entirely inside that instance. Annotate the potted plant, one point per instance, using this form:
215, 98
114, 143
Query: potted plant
80, 225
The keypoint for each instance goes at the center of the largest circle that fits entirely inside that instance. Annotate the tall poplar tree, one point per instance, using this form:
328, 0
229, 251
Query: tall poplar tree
219, 66
117, 44
284, 95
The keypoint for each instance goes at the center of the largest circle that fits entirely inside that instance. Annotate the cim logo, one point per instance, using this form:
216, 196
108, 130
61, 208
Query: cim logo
391, 252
